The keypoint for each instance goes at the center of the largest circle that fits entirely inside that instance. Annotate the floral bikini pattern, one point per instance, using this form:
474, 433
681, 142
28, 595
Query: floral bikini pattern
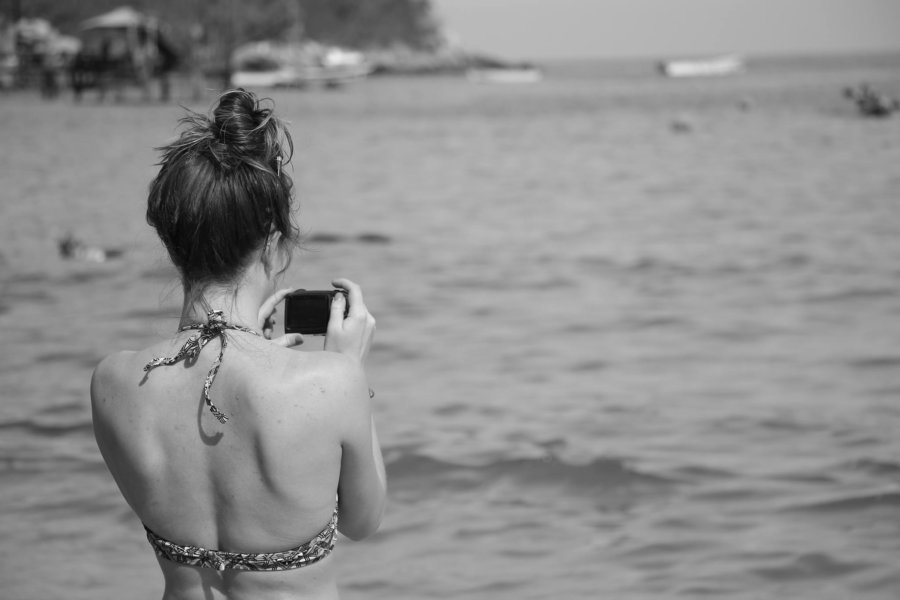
309, 553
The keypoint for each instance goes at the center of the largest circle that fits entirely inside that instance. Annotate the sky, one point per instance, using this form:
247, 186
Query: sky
547, 29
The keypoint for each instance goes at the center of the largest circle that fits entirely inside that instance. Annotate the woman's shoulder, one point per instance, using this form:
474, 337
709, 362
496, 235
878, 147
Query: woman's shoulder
330, 373
111, 367
295, 388
108, 384
124, 359
117, 370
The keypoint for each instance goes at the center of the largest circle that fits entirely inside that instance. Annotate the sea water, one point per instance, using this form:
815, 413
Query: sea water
637, 337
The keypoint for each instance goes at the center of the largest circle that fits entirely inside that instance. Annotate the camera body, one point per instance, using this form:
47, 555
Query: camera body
308, 311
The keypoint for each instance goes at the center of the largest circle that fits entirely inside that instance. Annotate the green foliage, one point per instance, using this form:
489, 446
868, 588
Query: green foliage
371, 23
354, 23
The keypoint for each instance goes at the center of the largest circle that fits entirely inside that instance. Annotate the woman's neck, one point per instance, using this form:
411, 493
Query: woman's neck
239, 300
239, 306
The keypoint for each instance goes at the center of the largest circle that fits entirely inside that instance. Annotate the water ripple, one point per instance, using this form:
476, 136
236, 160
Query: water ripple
810, 566
605, 473
853, 504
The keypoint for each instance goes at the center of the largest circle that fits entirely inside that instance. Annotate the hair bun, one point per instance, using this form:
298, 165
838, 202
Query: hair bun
243, 126
220, 193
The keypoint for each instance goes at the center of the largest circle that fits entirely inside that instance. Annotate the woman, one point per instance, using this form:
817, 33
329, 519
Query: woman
240, 457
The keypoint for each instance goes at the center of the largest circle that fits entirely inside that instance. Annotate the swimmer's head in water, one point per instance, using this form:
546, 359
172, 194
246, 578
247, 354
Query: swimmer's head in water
222, 194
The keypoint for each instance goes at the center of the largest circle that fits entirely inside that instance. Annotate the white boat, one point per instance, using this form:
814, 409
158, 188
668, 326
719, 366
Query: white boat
297, 77
505, 75
728, 64
268, 64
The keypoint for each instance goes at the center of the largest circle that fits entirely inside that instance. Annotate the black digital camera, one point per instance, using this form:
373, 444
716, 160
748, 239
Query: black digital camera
308, 311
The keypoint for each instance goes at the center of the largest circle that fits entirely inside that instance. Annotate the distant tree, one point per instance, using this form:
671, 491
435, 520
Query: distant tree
252, 19
371, 23
353, 23
65, 16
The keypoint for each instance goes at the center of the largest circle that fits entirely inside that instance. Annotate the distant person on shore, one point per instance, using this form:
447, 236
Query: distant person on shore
241, 458
871, 102
70, 247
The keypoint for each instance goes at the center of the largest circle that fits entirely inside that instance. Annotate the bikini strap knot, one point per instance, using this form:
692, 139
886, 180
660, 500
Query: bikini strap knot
215, 324
215, 327
212, 557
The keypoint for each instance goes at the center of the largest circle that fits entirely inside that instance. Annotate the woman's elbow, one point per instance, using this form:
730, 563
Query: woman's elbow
360, 526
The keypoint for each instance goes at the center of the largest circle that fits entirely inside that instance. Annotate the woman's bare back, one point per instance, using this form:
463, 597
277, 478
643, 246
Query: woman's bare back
265, 481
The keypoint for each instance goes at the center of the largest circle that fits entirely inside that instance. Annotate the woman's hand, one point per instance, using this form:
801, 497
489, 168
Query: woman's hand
267, 320
352, 335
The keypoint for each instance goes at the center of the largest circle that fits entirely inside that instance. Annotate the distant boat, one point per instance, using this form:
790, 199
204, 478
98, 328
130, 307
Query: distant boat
504, 75
716, 66
270, 64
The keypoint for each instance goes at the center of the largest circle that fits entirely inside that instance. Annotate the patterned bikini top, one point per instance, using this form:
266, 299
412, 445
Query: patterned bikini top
304, 555
214, 328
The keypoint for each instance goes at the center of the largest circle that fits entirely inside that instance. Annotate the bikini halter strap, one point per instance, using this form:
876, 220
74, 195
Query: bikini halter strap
214, 328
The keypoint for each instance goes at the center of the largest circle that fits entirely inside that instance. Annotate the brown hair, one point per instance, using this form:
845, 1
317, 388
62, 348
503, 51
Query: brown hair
222, 191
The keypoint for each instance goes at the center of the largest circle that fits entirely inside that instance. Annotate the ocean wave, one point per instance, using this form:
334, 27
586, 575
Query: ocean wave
790, 425
84, 504
24, 288
419, 471
85, 276
663, 266
475, 532
48, 428
810, 566
669, 549
399, 352
67, 408
868, 501
876, 362
585, 329
891, 391
148, 314
704, 472
588, 366
26, 277
655, 322
876, 467
79, 359
328, 237
16, 462
657, 266
865, 293
524, 282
